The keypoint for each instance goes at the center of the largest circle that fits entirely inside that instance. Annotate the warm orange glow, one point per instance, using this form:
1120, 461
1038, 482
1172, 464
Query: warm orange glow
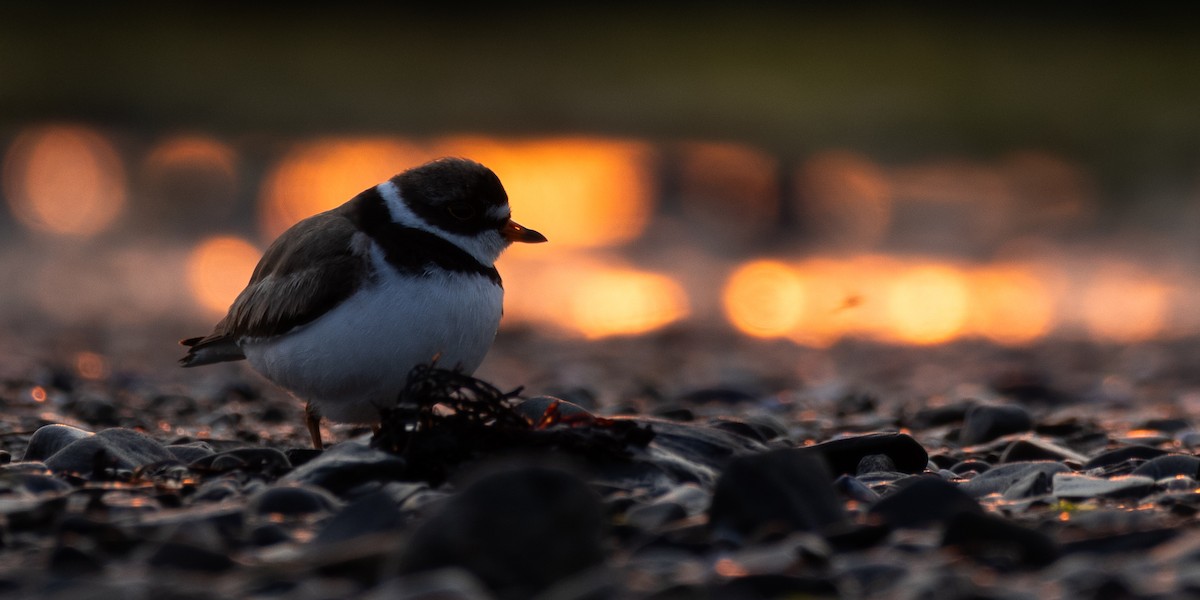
728, 191
1122, 305
764, 298
1011, 305
579, 192
317, 176
38, 393
218, 269
727, 567
927, 305
625, 302
844, 200
187, 177
64, 180
90, 365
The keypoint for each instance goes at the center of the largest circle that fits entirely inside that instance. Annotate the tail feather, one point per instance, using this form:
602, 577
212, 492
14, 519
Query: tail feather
206, 351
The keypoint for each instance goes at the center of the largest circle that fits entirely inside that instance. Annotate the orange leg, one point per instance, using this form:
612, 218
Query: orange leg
313, 420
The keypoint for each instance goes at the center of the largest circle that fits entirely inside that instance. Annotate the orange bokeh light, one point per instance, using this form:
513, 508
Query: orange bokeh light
764, 298
1011, 304
193, 151
580, 192
1123, 305
625, 302
217, 270
927, 305
317, 176
65, 180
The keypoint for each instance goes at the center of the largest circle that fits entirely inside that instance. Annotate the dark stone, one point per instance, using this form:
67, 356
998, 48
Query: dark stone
111, 448
844, 454
268, 461
773, 585
998, 479
33, 483
293, 501
1082, 487
875, 463
92, 409
1124, 542
854, 489
986, 422
49, 439
376, 512
651, 517
299, 456
268, 534
759, 431
675, 413
1170, 466
190, 452
942, 415
774, 493
71, 561
1120, 455
1036, 448
721, 395
187, 557
518, 530
346, 466
924, 501
1033, 485
1166, 425
970, 465
992, 539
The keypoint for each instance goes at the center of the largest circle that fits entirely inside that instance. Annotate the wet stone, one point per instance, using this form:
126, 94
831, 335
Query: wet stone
1033, 485
293, 501
855, 489
517, 530
1075, 486
999, 478
651, 517
970, 466
1037, 448
774, 493
942, 415
924, 501
1169, 466
985, 422
346, 466
49, 439
115, 448
999, 542
373, 513
844, 454
1121, 455
268, 461
190, 452
185, 557
875, 463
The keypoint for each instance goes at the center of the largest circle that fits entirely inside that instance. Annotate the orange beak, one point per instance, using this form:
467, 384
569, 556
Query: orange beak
515, 232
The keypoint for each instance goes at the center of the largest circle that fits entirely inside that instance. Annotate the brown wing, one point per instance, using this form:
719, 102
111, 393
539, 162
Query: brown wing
310, 269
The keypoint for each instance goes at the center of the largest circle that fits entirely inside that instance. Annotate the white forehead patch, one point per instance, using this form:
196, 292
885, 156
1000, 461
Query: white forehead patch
485, 247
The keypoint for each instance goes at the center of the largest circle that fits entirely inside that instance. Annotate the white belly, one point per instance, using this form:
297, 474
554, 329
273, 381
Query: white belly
357, 356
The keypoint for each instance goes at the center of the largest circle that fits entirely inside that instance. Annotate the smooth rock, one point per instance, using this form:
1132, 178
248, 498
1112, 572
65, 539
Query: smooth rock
191, 451
986, 422
990, 538
926, 500
1120, 455
1169, 466
120, 449
1079, 487
875, 463
844, 454
268, 461
346, 466
49, 439
519, 530
998, 479
292, 500
185, 557
1033, 485
774, 493
377, 512
1034, 448
969, 466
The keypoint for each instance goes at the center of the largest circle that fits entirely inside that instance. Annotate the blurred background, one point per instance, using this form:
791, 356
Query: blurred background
869, 171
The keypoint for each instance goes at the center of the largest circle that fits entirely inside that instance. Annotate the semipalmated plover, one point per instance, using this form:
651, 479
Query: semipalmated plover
345, 303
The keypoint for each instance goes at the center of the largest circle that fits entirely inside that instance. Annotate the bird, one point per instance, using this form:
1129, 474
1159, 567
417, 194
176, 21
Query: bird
345, 303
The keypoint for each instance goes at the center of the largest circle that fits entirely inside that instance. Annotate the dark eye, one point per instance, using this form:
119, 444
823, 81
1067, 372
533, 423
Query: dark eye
461, 211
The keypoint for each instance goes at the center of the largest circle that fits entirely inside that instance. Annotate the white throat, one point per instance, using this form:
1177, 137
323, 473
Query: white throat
484, 247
